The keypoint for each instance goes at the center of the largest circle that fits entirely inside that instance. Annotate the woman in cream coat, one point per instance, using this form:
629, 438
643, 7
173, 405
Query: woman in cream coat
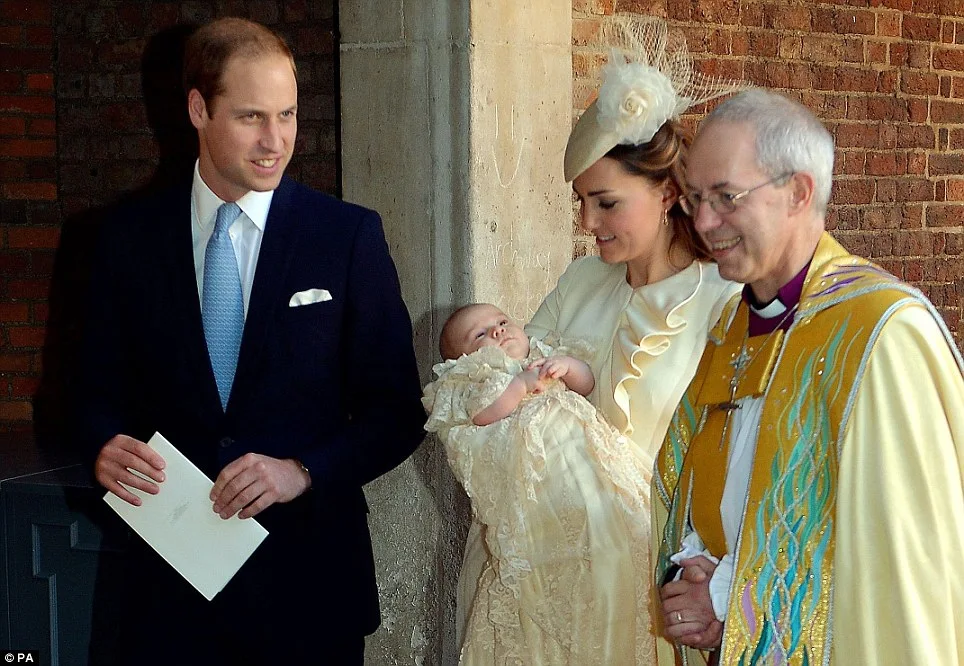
647, 302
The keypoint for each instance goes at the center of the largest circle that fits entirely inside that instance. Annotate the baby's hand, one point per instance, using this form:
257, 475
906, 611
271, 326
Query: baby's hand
533, 381
556, 367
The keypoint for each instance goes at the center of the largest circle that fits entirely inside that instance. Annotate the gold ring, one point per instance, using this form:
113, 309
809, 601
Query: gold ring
679, 617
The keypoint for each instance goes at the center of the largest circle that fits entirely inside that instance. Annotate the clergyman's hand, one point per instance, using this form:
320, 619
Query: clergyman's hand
688, 615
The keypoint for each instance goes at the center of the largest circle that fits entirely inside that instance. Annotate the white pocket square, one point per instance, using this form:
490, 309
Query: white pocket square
309, 296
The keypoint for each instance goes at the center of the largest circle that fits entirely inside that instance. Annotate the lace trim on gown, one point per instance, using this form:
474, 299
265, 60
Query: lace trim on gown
465, 386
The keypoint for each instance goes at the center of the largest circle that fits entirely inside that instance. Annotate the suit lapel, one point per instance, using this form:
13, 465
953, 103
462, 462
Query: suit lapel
274, 258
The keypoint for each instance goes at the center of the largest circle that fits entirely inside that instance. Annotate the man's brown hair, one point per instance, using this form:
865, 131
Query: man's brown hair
212, 45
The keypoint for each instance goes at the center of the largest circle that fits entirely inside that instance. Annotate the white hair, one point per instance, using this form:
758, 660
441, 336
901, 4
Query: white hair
789, 138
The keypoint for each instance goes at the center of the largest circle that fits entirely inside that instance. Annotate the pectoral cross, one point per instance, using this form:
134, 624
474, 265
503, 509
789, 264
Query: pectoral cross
739, 363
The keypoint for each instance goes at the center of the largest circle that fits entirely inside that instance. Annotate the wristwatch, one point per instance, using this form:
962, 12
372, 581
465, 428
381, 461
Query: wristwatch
305, 470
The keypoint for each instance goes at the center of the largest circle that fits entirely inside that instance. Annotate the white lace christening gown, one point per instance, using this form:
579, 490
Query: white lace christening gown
563, 571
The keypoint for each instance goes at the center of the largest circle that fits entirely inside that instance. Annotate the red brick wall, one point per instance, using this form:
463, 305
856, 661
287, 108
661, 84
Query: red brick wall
28, 186
90, 108
885, 76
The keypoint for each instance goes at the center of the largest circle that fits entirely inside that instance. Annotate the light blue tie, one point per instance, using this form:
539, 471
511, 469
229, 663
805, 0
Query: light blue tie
222, 307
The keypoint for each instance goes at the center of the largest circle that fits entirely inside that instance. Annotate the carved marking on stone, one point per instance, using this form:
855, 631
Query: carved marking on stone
505, 145
507, 254
522, 297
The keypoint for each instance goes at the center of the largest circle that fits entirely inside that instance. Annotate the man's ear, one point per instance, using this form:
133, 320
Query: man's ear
801, 191
197, 109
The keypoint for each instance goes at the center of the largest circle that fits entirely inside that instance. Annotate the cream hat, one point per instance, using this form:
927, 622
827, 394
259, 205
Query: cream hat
648, 80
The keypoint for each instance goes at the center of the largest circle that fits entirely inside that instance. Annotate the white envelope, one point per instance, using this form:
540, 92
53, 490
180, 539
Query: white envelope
180, 525
309, 296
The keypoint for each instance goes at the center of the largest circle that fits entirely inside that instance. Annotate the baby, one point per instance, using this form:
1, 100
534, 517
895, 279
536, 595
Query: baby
557, 496
472, 327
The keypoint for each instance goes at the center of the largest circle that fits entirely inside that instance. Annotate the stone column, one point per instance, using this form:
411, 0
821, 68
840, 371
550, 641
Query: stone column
454, 121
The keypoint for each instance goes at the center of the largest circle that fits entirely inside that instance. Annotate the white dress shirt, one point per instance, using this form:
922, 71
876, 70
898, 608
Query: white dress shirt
246, 232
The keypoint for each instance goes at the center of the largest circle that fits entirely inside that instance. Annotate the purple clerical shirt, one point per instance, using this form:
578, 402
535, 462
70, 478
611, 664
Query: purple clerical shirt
788, 295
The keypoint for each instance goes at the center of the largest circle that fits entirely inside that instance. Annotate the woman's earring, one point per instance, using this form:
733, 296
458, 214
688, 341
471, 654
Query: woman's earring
664, 220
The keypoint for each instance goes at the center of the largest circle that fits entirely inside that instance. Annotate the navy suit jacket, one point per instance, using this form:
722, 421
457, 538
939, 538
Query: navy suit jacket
333, 384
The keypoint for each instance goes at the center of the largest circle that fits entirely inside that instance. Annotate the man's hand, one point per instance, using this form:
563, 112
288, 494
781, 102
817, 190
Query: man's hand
688, 615
254, 482
118, 457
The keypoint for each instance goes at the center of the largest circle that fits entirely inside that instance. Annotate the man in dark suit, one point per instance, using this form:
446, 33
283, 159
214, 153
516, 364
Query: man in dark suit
258, 325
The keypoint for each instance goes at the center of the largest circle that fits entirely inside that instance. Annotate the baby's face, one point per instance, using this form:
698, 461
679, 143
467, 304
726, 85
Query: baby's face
487, 326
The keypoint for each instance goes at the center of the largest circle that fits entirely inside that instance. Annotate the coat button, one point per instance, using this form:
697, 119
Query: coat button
226, 442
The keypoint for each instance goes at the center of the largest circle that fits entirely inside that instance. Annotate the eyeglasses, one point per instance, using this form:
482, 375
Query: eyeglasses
721, 202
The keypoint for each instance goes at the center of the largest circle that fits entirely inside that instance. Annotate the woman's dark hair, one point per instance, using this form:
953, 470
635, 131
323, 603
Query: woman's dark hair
664, 158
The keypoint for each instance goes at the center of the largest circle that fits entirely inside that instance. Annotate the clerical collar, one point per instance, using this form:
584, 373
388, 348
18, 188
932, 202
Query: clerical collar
767, 317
